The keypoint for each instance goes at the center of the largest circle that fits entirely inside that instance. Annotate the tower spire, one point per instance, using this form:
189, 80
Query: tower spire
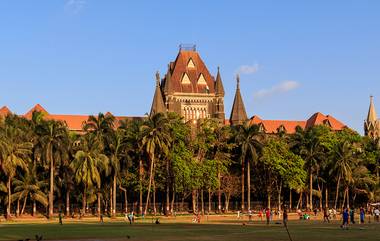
158, 105
238, 113
372, 117
219, 89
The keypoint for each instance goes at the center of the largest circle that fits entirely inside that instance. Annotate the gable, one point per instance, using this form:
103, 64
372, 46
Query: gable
185, 79
201, 80
190, 64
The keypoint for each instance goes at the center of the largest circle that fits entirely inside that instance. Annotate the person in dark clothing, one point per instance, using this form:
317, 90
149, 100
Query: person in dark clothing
362, 215
352, 215
325, 216
345, 216
285, 216
60, 217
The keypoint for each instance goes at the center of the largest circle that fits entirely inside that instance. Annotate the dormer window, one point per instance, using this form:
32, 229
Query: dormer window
185, 79
201, 80
190, 64
327, 123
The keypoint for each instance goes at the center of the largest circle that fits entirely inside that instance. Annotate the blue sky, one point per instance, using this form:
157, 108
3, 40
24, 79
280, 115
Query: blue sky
90, 56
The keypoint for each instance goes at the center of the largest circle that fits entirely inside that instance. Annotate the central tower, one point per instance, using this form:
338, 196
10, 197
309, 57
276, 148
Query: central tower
189, 89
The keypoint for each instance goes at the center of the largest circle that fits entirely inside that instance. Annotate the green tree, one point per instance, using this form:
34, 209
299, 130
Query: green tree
88, 164
15, 153
250, 141
53, 146
155, 142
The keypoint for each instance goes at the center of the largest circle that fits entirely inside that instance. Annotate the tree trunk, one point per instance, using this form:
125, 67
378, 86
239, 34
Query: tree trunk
194, 196
167, 188
173, 200
269, 197
209, 201
111, 202
279, 197
202, 203
242, 187
67, 202
249, 185
114, 196
154, 198
299, 201
219, 194
9, 199
337, 193
348, 197
150, 184
84, 201
140, 183
290, 199
18, 208
51, 192
99, 203
326, 198
34, 208
344, 198
227, 196
311, 191
23, 206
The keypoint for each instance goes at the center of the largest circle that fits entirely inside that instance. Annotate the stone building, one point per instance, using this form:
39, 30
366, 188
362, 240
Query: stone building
372, 124
189, 89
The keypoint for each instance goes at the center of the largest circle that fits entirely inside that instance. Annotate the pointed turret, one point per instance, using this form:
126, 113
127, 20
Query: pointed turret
158, 105
238, 114
219, 90
371, 112
168, 89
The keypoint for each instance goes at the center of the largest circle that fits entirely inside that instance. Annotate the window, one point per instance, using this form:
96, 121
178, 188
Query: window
190, 64
185, 79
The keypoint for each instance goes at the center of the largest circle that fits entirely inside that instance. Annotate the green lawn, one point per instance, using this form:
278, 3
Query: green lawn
226, 230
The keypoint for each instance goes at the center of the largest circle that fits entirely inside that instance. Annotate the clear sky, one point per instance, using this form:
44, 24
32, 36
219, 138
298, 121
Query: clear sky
90, 56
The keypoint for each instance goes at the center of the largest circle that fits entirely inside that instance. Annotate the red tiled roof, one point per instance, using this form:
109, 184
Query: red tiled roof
38, 108
179, 67
273, 126
4, 111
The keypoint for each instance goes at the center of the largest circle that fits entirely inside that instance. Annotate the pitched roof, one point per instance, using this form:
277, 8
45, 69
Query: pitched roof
238, 113
180, 67
158, 105
371, 117
74, 122
37, 108
273, 126
4, 111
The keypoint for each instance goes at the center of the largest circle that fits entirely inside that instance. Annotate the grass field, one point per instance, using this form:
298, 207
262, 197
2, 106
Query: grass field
230, 230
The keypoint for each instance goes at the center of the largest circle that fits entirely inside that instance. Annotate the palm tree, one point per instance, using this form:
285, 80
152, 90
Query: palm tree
250, 141
222, 155
53, 147
88, 165
29, 185
344, 159
155, 142
311, 151
15, 153
116, 146
100, 125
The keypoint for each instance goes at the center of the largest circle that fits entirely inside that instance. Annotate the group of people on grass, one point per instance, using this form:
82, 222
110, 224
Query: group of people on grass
348, 215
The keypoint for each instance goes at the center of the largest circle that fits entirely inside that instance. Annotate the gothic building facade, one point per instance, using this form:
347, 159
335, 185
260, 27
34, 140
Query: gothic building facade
372, 124
189, 89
